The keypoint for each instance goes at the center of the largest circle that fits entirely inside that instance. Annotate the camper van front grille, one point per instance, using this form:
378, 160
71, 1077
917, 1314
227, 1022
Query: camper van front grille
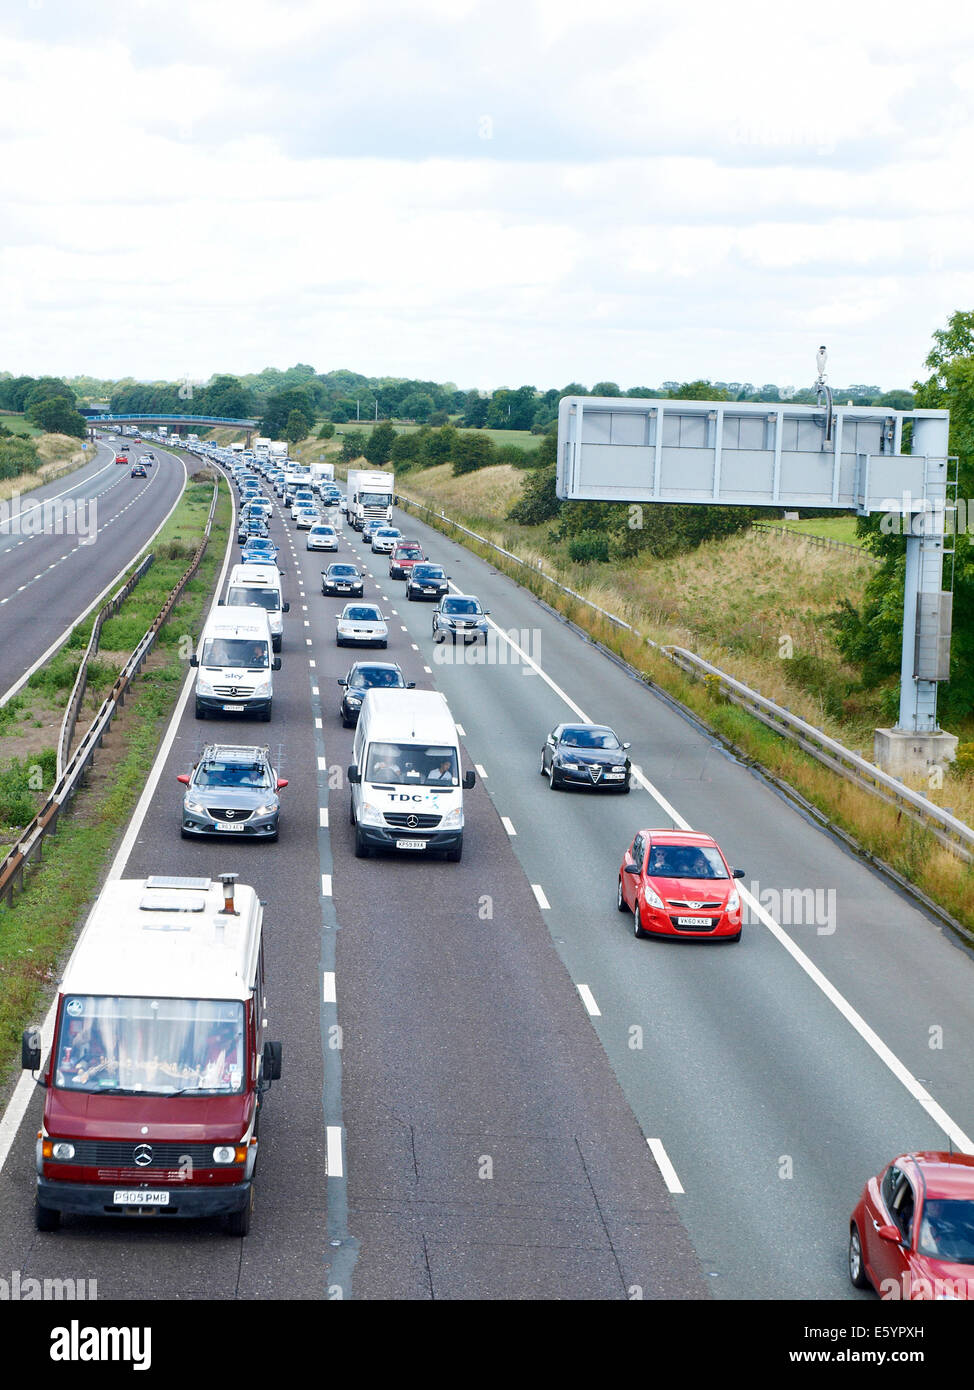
103, 1153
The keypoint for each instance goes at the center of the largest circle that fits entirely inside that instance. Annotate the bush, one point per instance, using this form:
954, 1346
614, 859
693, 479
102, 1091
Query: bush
964, 762
538, 501
472, 451
514, 455
587, 547
17, 456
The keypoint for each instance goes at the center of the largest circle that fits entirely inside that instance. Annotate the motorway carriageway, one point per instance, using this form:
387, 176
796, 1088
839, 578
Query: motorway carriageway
527, 1102
48, 579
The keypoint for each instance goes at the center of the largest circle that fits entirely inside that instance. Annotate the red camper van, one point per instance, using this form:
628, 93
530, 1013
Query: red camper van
158, 1066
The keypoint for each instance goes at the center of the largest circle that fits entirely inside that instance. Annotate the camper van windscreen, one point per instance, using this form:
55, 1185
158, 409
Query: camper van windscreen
159, 1046
419, 763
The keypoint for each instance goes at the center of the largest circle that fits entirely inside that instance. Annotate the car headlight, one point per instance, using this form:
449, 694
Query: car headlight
447, 621
734, 901
192, 804
370, 815
204, 687
453, 820
267, 810
62, 1151
262, 688
568, 765
352, 699
230, 1153
652, 899
620, 768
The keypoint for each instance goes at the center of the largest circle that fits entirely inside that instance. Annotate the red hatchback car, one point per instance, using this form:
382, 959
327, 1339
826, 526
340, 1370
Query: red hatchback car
404, 555
677, 883
912, 1233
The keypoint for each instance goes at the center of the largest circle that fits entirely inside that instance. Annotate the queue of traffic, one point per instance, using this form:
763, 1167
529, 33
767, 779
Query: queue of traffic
145, 1034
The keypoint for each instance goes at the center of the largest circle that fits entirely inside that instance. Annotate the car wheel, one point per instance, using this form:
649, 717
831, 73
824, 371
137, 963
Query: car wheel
238, 1222
554, 781
455, 854
637, 926
383, 644
857, 1266
46, 1218
346, 722
339, 641
362, 850
266, 715
542, 769
620, 897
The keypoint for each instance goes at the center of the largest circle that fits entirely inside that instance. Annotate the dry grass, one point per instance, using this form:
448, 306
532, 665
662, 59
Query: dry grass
60, 454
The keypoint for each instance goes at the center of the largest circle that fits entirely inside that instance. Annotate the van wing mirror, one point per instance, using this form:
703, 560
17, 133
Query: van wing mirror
469, 780
276, 664
285, 608
270, 1062
354, 777
410, 685
30, 1049
194, 660
220, 603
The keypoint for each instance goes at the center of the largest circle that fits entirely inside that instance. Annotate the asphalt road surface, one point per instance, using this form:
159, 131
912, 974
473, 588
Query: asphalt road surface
477, 1055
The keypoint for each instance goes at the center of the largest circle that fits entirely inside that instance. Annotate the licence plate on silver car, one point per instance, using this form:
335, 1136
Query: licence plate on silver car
410, 844
222, 825
140, 1199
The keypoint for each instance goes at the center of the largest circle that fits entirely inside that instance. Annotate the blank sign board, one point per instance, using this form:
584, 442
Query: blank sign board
615, 449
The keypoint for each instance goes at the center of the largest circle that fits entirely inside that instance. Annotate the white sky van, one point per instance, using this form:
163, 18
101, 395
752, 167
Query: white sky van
235, 664
158, 1065
406, 782
259, 586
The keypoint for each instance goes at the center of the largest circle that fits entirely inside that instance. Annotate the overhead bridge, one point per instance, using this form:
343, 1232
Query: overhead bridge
180, 422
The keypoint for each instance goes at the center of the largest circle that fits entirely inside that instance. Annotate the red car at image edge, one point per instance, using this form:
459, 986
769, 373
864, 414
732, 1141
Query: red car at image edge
677, 883
911, 1235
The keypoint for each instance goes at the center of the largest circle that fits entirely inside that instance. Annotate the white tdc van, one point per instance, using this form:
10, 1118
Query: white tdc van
406, 784
235, 665
259, 586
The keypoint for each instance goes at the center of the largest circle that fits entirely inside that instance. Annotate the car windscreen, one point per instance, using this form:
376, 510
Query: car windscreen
235, 651
428, 572
342, 572
947, 1230
217, 773
361, 615
374, 677
461, 605
159, 1046
419, 764
322, 530
589, 738
255, 598
685, 861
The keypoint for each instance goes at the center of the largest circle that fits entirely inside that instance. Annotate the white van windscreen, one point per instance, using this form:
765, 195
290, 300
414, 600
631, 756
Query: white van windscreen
255, 598
422, 764
162, 1046
235, 651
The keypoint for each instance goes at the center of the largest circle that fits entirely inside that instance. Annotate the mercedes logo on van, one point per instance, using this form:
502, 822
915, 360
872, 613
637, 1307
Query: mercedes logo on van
143, 1155
412, 822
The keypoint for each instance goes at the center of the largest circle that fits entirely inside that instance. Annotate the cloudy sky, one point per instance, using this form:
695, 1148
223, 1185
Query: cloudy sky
491, 193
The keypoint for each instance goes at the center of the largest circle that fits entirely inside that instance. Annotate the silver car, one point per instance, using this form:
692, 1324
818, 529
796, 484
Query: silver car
232, 790
322, 537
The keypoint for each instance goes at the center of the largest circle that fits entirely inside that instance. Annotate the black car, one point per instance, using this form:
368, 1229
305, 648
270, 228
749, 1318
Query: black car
585, 755
138, 471
460, 615
343, 579
427, 581
252, 526
368, 675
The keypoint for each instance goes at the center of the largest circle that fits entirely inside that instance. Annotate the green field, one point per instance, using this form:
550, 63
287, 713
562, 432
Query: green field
836, 528
524, 439
18, 424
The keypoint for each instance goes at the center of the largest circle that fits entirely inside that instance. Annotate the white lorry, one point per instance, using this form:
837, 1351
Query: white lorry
323, 472
370, 494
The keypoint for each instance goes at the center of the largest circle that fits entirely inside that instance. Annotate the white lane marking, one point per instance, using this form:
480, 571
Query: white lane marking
885, 1054
667, 1171
314, 690
539, 894
405, 629
428, 670
395, 613
481, 771
460, 731
304, 608
333, 1151
317, 722
323, 817
322, 764
414, 646
307, 622
326, 885
311, 663
588, 999
508, 825
328, 995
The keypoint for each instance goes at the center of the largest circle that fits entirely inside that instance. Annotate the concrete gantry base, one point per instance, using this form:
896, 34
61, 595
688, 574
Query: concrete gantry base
900, 752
